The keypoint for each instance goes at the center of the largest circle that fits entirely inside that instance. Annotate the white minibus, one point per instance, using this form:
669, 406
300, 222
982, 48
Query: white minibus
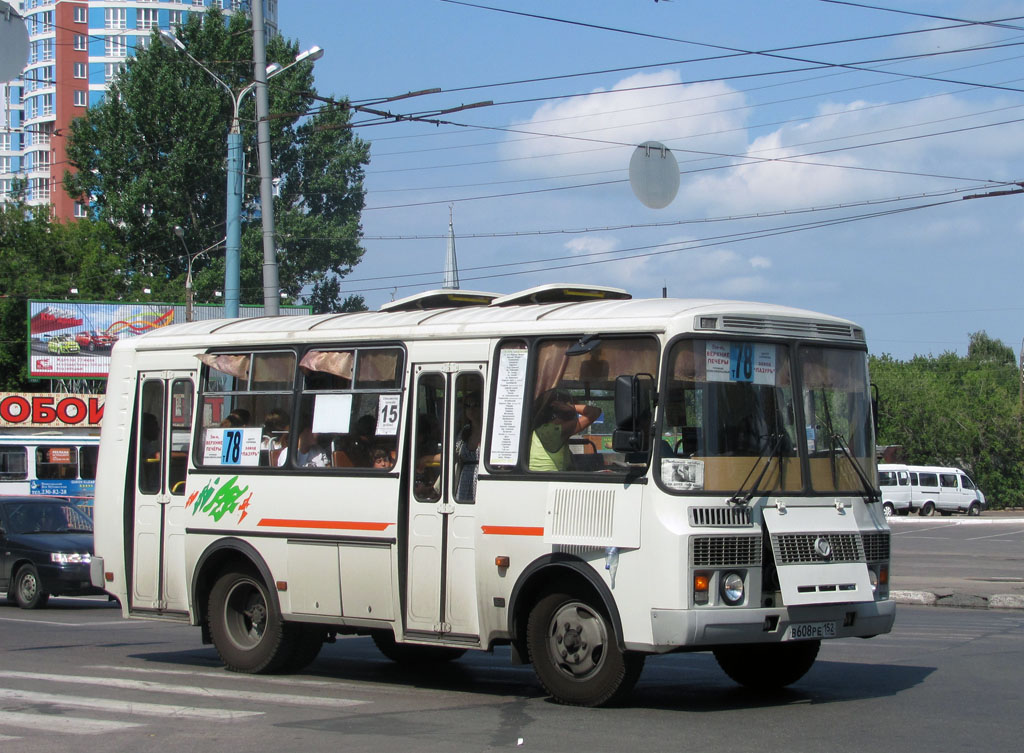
894, 484
584, 477
944, 490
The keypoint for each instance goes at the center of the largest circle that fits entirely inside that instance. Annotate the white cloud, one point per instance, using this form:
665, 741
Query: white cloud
599, 130
592, 245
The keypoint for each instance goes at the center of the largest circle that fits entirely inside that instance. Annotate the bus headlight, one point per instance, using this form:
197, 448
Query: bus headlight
873, 578
732, 588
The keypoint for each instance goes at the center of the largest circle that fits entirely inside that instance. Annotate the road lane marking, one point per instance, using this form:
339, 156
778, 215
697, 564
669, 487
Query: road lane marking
126, 707
215, 694
219, 674
995, 535
64, 724
66, 624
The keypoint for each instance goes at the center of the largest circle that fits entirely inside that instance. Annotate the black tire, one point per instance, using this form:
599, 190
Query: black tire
888, 509
927, 509
409, 653
574, 652
306, 640
767, 666
974, 509
246, 624
28, 588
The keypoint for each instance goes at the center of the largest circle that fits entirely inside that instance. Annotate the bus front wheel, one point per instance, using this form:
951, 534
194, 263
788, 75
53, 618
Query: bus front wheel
574, 652
927, 509
770, 666
246, 625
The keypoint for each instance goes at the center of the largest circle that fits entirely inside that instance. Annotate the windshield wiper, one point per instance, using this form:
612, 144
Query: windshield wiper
837, 440
743, 498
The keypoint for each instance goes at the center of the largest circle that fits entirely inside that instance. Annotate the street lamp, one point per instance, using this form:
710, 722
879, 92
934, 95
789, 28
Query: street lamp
180, 232
188, 276
234, 188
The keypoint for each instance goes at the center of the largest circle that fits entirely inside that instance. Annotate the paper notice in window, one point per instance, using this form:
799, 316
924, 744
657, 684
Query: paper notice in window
508, 407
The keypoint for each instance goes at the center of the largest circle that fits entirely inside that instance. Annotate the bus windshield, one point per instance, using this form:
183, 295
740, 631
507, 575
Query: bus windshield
733, 408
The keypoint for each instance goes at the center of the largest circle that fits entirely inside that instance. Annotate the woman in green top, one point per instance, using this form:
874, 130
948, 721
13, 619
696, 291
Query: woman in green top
557, 418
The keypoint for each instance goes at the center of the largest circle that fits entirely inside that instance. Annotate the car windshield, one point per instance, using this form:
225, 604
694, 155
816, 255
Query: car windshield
46, 517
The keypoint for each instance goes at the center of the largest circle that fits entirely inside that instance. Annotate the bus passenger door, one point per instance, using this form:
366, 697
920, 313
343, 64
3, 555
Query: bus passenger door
163, 433
441, 595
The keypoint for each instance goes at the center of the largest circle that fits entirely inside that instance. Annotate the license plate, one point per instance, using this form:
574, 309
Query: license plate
805, 631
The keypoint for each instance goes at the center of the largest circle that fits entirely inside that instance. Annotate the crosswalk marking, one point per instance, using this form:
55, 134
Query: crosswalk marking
214, 694
124, 707
65, 724
223, 674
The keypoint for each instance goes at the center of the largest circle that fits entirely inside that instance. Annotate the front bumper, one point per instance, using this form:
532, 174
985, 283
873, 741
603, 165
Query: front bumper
675, 628
67, 580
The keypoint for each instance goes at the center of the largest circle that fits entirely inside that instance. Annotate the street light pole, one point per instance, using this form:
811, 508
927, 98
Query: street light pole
233, 240
178, 231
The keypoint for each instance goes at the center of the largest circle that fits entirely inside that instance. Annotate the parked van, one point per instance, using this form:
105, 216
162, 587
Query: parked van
894, 483
946, 490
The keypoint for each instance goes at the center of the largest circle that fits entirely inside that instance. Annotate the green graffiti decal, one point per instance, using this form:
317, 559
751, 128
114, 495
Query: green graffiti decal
217, 501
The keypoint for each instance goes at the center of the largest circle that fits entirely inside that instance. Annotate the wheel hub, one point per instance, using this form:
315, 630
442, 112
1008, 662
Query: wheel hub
577, 640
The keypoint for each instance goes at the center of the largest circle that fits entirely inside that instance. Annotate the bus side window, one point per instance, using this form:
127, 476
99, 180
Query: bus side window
181, 434
150, 436
13, 463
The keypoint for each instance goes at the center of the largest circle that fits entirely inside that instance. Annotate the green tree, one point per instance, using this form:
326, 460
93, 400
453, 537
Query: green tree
963, 412
40, 258
153, 156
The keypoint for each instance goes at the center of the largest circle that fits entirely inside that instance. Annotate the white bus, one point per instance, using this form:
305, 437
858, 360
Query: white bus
651, 476
49, 463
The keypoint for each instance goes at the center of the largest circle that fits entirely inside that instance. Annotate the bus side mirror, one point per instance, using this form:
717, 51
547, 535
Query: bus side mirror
633, 408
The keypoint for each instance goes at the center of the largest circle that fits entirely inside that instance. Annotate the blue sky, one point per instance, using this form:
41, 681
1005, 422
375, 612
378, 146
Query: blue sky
829, 172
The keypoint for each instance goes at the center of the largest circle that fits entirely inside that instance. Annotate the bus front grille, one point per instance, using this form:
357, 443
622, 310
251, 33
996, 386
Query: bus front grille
726, 551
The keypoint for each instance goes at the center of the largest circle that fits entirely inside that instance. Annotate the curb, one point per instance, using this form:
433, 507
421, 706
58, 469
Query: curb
928, 599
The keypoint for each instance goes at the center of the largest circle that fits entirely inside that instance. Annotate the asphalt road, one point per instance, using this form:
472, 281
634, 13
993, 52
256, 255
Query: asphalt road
78, 677
959, 561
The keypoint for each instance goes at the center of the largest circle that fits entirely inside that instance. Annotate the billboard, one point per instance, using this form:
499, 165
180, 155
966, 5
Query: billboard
74, 339
48, 410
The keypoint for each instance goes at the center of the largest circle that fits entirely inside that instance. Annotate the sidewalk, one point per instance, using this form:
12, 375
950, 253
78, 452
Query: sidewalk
965, 592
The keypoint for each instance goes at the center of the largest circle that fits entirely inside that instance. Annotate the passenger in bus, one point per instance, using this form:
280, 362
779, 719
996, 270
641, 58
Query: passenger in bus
308, 452
150, 444
236, 419
555, 420
276, 426
467, 449
381, 459
361, 441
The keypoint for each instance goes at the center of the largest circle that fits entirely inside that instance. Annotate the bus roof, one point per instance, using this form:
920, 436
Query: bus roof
499, 319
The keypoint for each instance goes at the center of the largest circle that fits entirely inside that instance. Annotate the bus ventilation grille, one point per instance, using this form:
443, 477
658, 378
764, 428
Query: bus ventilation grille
800, 549
726, 551
581, 516
876, 547
781, 326
712, 517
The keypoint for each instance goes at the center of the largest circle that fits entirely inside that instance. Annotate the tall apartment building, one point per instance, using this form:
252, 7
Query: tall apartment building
76, 47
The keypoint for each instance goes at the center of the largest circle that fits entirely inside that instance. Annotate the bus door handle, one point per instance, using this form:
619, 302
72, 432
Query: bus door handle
445, 508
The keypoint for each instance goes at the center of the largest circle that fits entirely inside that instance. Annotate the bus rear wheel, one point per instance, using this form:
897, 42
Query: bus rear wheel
572, 646
767, 666
246, 624
927, 509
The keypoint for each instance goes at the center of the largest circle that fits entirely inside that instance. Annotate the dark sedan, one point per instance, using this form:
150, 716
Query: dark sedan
45, 548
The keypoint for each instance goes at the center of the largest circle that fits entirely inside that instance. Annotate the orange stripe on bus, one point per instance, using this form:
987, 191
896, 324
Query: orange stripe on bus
344, 525
512, 530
